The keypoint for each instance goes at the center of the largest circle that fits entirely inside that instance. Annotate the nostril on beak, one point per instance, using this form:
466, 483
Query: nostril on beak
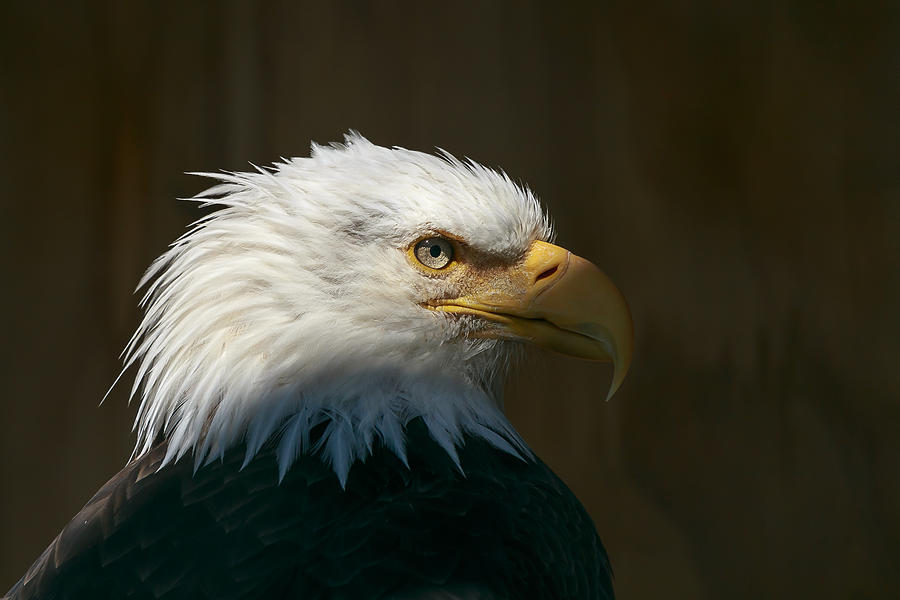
547, 273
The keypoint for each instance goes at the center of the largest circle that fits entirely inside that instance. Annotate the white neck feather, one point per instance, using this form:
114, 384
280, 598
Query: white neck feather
292, 307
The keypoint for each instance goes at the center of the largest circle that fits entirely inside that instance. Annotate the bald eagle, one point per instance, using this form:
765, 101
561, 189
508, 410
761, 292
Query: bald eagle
320, 371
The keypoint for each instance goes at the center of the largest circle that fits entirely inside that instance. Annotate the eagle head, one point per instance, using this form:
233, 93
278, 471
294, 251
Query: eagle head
358, 289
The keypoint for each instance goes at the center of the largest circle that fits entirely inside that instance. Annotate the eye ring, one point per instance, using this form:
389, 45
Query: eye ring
434, 252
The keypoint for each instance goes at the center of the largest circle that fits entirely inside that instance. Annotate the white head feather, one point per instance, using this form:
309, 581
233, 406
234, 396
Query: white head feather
295, 305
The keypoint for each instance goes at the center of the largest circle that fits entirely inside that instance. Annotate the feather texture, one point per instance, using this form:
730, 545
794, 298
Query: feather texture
294, 304
507, 529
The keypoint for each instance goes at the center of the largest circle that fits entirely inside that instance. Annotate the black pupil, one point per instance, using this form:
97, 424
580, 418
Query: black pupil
435, 251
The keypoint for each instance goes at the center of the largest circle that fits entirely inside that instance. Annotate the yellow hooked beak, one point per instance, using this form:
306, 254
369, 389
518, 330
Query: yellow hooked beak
557, 300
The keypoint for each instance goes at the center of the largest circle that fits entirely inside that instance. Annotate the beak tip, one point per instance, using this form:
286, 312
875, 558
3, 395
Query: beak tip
622, 360
618, 378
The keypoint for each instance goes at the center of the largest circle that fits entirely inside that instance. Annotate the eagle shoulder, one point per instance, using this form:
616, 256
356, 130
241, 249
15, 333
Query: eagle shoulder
502, 528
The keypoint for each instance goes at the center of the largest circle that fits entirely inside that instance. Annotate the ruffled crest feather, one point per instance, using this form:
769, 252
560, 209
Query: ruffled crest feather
292, 307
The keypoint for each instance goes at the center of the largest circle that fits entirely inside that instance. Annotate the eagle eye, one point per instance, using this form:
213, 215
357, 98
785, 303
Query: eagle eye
434, 252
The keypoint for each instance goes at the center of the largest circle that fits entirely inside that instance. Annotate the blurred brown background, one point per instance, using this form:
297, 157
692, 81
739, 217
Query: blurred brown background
734, 166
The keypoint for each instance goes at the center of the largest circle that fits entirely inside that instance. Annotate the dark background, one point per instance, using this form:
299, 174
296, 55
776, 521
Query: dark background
734, 167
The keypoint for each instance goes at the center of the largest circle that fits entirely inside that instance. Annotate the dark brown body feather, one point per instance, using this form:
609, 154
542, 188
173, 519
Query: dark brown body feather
506, 529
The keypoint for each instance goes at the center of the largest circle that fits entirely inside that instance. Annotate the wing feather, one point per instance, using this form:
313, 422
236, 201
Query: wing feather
505, 528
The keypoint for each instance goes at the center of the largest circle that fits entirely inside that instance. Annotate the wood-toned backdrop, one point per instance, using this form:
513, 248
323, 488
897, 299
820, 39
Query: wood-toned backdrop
735, 168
